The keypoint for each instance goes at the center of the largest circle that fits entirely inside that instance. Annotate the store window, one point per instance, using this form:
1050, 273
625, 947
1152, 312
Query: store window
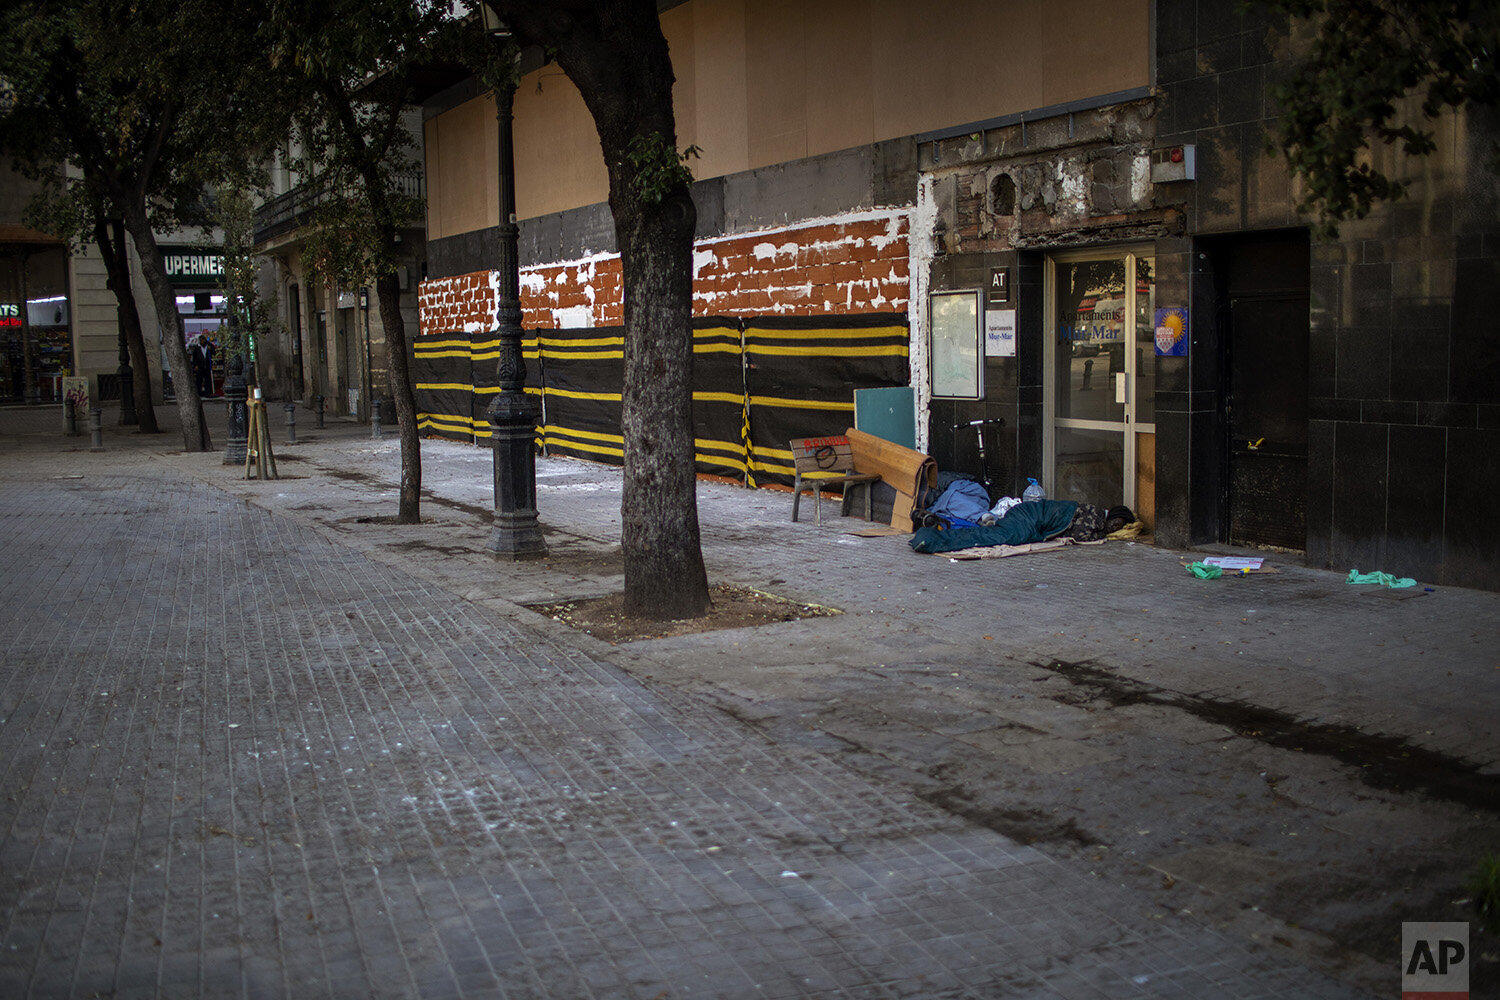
197, 276
203, 319
35, 323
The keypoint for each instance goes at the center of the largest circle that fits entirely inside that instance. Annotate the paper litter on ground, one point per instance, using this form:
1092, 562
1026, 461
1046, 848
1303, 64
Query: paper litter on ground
1233, 562
1004, 551
1228, 570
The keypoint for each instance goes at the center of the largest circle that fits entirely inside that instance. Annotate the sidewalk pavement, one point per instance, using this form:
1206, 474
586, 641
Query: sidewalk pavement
257, 743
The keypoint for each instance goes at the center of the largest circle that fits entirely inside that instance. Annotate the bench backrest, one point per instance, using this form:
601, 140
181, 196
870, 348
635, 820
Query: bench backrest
832, 455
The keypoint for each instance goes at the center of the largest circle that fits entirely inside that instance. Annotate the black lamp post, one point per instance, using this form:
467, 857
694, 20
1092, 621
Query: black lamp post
236, 392
512, 415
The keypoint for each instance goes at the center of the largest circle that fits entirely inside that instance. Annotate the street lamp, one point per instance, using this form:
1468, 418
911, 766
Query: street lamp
512, 415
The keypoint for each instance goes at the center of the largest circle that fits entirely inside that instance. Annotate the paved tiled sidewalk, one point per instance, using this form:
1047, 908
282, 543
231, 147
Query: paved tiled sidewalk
238, 759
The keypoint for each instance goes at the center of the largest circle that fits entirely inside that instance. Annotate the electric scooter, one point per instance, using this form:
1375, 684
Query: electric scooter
984, 470
924, 518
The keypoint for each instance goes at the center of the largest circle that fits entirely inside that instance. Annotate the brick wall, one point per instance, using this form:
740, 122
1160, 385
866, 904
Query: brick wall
844, 266
834, 268
464, 302
551, 292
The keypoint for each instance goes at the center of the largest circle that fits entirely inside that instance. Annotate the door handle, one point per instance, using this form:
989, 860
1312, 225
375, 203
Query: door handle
1120, 387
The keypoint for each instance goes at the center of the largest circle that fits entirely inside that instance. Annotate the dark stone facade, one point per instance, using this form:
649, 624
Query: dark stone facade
1402, 390
1053, 180
1402, 410
1404, 349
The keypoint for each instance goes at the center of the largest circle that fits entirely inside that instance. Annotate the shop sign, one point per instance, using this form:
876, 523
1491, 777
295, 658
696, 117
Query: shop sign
187, 266
10, 314
1435, 960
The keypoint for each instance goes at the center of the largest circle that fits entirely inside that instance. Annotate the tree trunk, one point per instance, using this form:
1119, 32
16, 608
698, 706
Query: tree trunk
388, 294
616, 55
195, 435
398, 376
111, 243
664, 572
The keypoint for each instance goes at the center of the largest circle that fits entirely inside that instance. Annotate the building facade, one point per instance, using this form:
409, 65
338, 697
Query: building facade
1067, 210
329, 345
69, 324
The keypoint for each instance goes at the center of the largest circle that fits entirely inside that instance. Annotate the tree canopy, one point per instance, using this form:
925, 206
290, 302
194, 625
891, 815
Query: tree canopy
134, 109
1379, 71
349, 66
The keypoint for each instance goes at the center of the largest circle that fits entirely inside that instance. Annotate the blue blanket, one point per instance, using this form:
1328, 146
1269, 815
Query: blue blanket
963, 500
1034, 521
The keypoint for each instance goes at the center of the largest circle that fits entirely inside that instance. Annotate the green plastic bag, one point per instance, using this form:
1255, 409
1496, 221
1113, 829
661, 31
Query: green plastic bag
1384, 579
1203, 571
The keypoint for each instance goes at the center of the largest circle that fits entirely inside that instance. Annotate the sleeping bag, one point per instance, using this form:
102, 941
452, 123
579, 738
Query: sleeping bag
1033, 521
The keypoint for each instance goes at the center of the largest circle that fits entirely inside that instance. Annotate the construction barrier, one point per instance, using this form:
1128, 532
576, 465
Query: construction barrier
758, 382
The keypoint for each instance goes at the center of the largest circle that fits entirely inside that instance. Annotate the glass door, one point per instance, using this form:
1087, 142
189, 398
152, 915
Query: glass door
1101, 383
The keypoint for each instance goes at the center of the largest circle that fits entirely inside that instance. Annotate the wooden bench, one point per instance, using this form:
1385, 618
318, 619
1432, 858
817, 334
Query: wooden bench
826, 461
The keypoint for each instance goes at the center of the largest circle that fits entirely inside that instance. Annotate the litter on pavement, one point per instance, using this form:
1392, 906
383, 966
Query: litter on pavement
1384, 579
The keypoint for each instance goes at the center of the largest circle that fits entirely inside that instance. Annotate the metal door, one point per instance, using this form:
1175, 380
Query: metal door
1267, 419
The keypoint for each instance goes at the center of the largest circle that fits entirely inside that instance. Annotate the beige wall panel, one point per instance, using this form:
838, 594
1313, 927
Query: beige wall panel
558, 162
677, 26
91, 297
761, 82
94, 320
840, 99
719, 58
1102, 46
461, 168
934, 75
775, 115
432, 154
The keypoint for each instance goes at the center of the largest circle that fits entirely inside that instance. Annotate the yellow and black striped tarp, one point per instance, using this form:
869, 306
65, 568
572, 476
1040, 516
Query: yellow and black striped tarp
454, 377
800, 377
757, 384
583, 372
721, 437
444, 384
486, 371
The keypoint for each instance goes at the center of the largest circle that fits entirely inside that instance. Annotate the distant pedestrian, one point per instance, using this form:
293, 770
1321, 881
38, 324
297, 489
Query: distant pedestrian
201, 355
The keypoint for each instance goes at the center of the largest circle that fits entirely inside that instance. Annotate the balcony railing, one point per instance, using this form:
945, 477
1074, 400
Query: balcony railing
286, 212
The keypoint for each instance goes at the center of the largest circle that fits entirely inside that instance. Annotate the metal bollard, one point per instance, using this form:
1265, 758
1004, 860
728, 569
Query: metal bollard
318, 409
96, 428
375, 418
291, 423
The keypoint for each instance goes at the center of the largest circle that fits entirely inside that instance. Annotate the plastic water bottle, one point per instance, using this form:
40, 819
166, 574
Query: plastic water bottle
1034, 491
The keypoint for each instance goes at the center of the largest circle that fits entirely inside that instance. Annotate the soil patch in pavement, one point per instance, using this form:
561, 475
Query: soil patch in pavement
732, 607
